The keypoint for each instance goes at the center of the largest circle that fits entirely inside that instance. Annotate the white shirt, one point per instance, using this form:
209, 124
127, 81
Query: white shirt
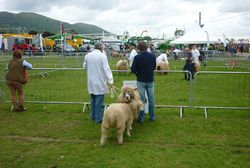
149, 50
162, 57
132, 56
195, 54
27, 65
99, 73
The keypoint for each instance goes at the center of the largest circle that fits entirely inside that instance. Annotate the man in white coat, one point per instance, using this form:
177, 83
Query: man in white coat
196, 63
99, 76
195, 52
132, 54
162, 58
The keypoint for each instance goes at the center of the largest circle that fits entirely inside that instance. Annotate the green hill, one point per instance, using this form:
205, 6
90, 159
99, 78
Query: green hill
25, 21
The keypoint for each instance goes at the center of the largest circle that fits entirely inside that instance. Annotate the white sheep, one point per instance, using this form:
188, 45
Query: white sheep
122, 65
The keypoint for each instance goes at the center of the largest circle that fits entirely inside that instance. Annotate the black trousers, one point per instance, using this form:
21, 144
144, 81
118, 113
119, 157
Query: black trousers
190, 68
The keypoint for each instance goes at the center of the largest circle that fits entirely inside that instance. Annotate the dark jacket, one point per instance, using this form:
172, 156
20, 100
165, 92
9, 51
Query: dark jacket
143, 66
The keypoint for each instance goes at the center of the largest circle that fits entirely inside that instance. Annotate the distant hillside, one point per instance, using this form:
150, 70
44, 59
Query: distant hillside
26, 21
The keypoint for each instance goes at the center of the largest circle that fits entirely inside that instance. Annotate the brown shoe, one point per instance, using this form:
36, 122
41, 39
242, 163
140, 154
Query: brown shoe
13, 109
16, 110
21, 108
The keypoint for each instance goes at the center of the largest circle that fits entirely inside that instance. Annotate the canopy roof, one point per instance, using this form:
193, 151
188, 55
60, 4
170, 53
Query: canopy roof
110, 39
68, 36
196, 35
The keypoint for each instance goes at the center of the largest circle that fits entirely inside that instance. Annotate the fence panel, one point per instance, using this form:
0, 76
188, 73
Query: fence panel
222, 89
210, 89
69, 85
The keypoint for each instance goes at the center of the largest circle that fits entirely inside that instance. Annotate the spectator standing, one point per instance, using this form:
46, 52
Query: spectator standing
99, 75
189, 65
132, 55
241, 47
196, 63
202, 56
143, 66
195, 52
151, 49
15, 80
192, 57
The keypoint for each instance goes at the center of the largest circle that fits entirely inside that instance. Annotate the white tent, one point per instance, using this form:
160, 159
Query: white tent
110, 40
195, 35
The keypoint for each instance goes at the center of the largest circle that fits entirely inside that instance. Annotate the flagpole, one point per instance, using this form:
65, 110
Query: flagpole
62, 31
41, 42
1, 41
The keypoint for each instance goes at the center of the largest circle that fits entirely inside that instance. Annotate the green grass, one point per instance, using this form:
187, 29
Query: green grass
40, 136
62, 136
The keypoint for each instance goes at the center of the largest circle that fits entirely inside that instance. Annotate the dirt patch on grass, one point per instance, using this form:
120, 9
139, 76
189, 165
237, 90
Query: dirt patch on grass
230, 148
43, 139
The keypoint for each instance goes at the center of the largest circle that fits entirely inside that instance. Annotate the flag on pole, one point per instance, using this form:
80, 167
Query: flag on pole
224, 40
62, 31
62, 28
41, 42
1, 40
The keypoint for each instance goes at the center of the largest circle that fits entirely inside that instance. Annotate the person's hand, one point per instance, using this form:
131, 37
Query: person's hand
111, 88
111, 85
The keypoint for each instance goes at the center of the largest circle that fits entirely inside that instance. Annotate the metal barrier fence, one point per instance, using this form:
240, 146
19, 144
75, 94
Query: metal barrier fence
227, 90
69, 86
230, 90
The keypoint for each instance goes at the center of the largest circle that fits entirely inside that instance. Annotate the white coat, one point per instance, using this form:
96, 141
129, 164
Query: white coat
98, 71
162, 57
132, 56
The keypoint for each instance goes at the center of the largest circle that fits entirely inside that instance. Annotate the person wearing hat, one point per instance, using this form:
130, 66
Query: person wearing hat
99, 75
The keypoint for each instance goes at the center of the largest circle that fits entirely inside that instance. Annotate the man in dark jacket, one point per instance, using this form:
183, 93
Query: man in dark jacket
143, 66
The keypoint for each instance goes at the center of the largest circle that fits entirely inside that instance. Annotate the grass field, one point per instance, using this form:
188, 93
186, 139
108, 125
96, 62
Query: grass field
61, 136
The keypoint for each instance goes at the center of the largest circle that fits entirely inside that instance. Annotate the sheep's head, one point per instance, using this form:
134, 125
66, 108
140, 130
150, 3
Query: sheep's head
127, 94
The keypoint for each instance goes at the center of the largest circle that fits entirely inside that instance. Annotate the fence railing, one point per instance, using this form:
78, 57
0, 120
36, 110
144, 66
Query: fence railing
69, 85
230, 90
227, 90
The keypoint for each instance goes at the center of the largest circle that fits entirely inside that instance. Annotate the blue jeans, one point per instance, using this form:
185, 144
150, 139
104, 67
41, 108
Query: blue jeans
96, 112
149, 88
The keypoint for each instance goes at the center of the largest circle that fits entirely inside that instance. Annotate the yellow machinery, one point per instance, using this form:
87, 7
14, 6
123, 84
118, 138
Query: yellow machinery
48, 43
75, 42
27, 36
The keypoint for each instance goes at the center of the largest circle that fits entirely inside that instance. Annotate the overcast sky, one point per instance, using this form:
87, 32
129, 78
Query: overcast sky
229, 17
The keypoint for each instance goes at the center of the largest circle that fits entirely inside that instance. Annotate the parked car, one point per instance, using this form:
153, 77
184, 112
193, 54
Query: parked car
67, 49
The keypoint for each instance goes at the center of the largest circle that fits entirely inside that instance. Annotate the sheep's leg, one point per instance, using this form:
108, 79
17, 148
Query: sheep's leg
120, 135
104, 135
129, 127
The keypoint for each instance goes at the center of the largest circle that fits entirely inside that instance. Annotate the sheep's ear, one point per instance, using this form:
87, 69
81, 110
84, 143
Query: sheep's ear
132, 95
120, 98
122, 88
